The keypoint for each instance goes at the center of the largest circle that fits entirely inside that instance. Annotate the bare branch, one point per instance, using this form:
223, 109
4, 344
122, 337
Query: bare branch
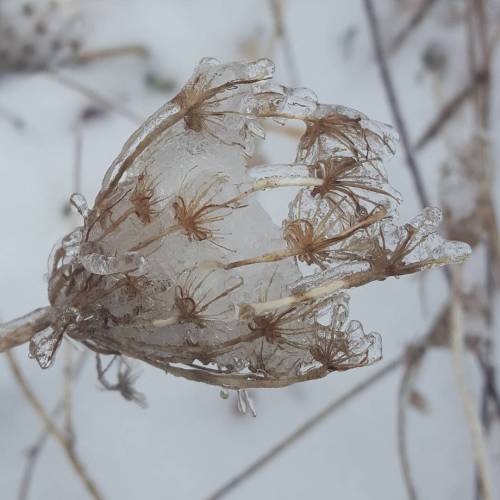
414, 22
277, 8
394, 104
475, 427
111, 53
52, 429
105, 102
414, 358
35, 450
450, 109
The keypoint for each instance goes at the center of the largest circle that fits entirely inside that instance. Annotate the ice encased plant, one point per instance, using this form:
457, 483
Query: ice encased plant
178, 265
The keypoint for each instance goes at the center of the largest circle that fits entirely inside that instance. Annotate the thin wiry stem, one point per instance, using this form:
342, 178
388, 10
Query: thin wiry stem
35, 450
52, 429
450, 109
77, 173
404, 390
277, 10
394, 103
414, 22
473, 421
67, 392
95, 97
326, 412
111, 53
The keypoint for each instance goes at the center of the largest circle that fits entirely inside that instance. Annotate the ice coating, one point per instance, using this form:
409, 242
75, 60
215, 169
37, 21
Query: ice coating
178, 264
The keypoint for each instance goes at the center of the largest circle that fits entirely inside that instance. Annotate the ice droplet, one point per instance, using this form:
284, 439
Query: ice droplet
43, 346
80, 203
224, 394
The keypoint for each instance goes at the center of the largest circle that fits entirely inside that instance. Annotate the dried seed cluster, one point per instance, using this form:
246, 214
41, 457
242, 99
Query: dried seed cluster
178, 265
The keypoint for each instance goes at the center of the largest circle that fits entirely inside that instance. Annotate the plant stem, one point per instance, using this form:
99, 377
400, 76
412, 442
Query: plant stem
20, 330
52, 429
473, 422
394, 103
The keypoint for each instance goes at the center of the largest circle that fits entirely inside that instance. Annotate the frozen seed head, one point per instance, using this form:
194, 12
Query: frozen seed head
148, 275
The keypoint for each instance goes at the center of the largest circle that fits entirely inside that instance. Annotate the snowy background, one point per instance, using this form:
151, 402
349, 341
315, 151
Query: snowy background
189, 441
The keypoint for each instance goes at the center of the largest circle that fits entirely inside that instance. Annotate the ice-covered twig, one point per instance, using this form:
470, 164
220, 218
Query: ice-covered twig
20, 330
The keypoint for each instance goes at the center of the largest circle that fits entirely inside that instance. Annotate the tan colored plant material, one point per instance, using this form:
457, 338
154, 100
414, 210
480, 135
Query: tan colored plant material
177, 263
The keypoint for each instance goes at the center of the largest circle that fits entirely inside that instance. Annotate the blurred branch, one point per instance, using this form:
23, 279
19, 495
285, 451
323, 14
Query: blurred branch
473, 422
413, 23
449, 110
277, 10
394, 103
67, 390
20, 330
52, 429
111, 53
95, 97
414, 357
35, 450
305, 428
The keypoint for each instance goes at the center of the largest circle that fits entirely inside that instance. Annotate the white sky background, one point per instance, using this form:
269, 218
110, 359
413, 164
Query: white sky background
189, 441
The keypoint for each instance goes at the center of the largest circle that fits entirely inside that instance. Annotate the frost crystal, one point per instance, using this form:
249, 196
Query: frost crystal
177, 263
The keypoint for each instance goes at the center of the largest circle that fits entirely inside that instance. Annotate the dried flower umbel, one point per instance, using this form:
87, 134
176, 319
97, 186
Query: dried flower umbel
178, 265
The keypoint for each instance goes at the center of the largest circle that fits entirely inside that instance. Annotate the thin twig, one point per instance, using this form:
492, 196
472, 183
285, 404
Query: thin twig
413, 360
305, 428
393, 102
473, 422
414, 22
105, 102
450, 109
67, 389
77, 173
35, 450
52, 429
281, 32
111, 53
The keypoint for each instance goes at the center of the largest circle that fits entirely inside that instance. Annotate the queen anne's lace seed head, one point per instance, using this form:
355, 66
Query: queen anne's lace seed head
178, 265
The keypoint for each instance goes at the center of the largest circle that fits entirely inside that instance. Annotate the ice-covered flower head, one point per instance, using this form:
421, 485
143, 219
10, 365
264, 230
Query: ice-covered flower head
177, 263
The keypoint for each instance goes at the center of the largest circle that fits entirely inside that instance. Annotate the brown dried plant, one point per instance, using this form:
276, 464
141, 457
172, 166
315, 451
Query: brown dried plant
151, 273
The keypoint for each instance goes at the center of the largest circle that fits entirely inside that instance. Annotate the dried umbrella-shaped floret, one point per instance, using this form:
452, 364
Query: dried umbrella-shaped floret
171, 265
